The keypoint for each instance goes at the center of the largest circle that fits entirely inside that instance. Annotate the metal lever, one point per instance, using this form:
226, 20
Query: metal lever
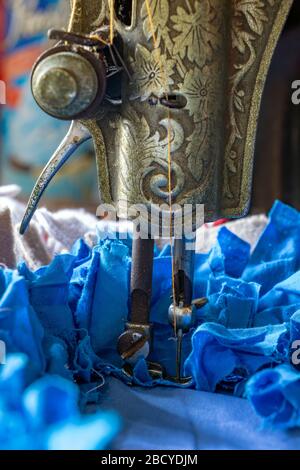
74, 38
77, 135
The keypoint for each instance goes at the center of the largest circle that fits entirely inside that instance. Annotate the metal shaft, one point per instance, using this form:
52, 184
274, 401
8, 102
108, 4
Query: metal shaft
135, 341
179, 356
141, 280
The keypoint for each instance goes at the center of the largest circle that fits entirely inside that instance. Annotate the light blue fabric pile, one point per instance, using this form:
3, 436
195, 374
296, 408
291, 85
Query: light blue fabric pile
44, 415
65, 319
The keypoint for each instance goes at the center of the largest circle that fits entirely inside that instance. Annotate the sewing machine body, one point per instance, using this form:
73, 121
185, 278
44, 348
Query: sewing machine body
170, 94
216, 56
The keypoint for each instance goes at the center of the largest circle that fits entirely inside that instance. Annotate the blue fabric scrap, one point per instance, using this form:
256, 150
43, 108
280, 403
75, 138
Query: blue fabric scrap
218, 352
275, 396
45, 414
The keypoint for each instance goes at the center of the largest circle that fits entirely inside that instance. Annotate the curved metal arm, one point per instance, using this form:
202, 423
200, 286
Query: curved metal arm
77, 135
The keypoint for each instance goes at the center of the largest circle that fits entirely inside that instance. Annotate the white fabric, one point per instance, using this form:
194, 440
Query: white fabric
51, 233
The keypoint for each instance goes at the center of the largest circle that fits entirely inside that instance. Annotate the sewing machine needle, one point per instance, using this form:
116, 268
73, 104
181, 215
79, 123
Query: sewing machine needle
179, 355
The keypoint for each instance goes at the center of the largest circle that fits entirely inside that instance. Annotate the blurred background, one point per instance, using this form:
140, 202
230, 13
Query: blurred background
29, 136
277, 156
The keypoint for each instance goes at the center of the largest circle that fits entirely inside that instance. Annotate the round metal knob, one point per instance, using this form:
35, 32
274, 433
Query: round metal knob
69, 85
56, 88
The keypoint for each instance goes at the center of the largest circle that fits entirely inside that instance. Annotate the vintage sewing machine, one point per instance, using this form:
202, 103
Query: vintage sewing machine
170, 92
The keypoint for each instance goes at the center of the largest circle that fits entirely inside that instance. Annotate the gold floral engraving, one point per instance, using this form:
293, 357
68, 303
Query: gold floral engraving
88, 15
156, 19
148, 155
215, 55
200, 93
187, 37
76, 19
198, 32
251, 14
149, 78
191, 33
197, 163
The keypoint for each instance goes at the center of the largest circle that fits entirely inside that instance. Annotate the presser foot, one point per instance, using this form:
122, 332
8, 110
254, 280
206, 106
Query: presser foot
156, 371
180, 380
133, 345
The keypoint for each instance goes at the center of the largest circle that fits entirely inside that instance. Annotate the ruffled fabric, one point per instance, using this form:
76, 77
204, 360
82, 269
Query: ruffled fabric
66, 317
275, 395
219, 353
